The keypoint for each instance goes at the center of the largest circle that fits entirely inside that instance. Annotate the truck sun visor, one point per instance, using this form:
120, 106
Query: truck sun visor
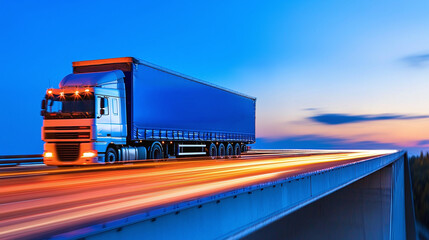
91, 79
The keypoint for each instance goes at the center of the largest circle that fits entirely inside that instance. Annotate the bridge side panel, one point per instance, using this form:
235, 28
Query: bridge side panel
361, 210
398, 201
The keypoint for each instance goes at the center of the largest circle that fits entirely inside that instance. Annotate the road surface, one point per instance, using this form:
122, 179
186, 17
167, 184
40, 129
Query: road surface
38, 202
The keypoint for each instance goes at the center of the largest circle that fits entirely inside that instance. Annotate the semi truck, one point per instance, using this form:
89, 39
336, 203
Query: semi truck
125, 109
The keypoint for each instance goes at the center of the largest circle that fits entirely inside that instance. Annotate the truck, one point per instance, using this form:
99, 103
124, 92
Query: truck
125, 109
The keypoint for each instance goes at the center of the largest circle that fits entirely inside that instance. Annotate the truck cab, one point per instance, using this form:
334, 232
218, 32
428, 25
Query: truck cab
83, 117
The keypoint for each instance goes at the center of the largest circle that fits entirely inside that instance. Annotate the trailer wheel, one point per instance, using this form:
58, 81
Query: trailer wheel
212, 151
229, 151
221, 153
111, 155
156, 151
237, 150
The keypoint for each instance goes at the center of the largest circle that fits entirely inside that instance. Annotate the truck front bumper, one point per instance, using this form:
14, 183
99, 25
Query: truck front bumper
68, 154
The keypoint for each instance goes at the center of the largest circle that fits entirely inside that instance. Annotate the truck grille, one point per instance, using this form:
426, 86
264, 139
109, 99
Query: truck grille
67, 135
67, 152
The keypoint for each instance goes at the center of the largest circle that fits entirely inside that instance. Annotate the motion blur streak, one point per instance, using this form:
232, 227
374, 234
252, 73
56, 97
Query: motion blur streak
40, 203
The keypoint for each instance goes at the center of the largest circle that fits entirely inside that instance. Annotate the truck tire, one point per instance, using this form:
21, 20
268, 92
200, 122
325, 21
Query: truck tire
212, 151
221, 152
229, 151
111, 155
243, 148
156, 151
237, 150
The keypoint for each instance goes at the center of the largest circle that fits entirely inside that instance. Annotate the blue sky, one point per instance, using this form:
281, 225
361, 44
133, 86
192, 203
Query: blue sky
303, 60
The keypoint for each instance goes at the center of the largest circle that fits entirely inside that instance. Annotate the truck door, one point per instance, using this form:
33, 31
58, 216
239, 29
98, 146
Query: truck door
104, 126
116, 118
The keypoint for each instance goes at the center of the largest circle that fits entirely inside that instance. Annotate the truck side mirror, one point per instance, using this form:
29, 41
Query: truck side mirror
43, 104
101, 111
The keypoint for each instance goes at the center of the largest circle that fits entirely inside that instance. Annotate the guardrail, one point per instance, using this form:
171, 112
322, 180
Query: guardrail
14, 160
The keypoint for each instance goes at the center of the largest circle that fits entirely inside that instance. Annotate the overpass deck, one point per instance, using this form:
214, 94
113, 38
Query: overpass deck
81, 202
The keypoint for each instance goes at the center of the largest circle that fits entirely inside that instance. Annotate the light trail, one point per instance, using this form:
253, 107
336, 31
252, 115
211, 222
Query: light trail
42, 203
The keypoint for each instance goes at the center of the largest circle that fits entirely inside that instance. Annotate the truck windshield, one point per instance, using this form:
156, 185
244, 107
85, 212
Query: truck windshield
70, 106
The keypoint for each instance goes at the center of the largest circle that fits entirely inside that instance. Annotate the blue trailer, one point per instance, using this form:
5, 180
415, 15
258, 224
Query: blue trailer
125, 109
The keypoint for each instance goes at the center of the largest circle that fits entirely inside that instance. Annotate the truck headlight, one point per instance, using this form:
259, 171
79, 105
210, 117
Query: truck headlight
88, 154
48, 154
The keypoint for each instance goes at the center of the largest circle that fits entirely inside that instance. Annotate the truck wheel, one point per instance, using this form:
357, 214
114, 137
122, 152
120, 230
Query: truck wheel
229, 151
221, 153
237, 150
243, 148
212, 151
111, 155
156, 151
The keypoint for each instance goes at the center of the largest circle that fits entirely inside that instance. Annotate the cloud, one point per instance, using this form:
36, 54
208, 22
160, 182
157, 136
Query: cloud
310, 109
338, 118
423, 142
417, 60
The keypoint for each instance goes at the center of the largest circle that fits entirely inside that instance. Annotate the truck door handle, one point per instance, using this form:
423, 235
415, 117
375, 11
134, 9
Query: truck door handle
109, 134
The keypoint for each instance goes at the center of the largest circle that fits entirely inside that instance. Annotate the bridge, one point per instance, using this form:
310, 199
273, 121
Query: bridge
294, 194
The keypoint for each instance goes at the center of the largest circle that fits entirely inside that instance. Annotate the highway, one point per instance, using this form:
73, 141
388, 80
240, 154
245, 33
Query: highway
38, 202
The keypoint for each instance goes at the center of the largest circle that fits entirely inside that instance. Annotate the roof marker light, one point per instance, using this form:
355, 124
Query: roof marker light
49, 91
77, 92
62, 94
87, 90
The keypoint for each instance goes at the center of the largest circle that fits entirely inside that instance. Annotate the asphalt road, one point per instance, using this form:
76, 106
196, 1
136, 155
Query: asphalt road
38, 202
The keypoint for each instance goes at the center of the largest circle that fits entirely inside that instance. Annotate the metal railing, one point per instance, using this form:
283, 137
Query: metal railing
14, 160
